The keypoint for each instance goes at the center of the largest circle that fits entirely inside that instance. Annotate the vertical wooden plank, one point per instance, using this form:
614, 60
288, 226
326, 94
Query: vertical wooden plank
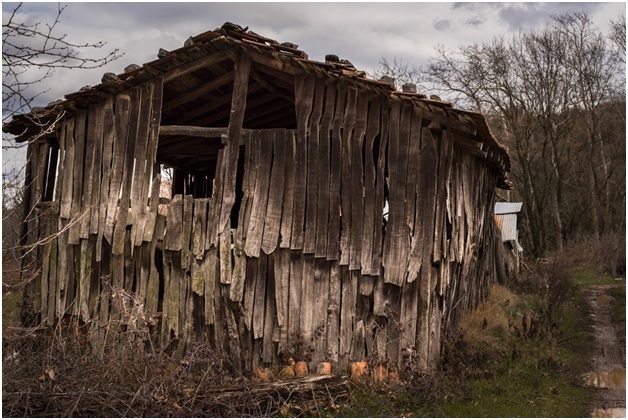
444, 158
213, 218
139, 193
199, 227
272, 223
358, 350
255, 232
105, 330
53, 288
269, 313
143, 265
380, 202
238, 277
372, 131
121, 126
155, 119
357, 183
42, 279
219, 314
62, 268
335, 162
347, 315
321, 305
95, 283
242, 67
393, 301
197, 272
396, 246
68, 170
60, 175
333, 314
304, 99
294, 301
107, 157
289, 190
174, 224
252, 267
117, 285
211, 267
309, 240
307, 302
260, 298
79, 162
152, 290
85, 279
347, 178
225, 257
245, 203
127, 173
423, 321
414, 145
93, 150
408, 318
252, 168
188, 208
322, 218
91, 144
235, 348
95, 178
282, 282
151, 212
421, 251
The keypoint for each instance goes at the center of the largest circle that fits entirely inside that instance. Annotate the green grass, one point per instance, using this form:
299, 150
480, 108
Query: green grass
591, 276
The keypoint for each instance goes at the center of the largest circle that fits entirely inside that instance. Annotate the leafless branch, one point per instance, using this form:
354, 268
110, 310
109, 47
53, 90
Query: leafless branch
31, 52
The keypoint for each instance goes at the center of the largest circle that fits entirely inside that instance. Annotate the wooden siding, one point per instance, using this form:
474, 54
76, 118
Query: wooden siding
312, 267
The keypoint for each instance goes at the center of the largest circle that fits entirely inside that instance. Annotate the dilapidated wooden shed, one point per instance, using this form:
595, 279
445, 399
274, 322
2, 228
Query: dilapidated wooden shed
315, 213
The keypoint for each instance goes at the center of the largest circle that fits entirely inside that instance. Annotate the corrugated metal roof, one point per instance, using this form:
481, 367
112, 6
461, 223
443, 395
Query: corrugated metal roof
507, 208
507, 224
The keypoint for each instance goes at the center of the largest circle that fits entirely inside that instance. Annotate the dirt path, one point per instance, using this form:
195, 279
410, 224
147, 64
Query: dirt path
609, 360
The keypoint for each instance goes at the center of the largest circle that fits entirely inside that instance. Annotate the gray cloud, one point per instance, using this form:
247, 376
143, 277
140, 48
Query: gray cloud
441, 24
528, 15
474, 21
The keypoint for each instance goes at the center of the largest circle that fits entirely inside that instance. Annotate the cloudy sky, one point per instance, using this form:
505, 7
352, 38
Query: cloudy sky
359, 32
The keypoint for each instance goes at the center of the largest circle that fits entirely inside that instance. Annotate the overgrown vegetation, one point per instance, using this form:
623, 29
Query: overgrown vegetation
521, 354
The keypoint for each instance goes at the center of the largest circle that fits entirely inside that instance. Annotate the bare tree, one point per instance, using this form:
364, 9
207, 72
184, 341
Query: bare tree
401, 71
31, 52
543, 90
618, 35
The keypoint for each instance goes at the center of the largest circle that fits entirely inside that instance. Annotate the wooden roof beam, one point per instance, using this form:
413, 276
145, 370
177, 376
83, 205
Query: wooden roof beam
251, 103
269, 86
194, 131
197, 92
214, 103
195, 65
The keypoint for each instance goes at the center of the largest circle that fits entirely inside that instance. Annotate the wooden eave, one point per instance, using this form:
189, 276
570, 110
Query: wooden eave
198, 85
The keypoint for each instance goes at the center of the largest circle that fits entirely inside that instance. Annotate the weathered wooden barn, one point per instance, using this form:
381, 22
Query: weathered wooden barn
275, 242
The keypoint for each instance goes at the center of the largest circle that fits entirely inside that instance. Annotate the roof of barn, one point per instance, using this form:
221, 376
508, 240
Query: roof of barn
197, 76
